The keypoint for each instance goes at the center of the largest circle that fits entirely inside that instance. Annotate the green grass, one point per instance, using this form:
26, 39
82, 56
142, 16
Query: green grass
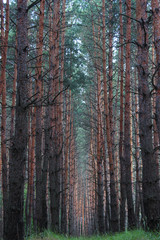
129, 235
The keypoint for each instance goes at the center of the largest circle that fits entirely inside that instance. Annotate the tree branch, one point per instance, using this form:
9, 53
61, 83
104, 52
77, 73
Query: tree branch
33, 4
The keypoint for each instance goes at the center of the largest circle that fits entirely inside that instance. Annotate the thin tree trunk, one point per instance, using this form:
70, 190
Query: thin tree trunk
61, 115
114, 207
127, 123
45, 171
39, 93
110, 75
29, 159
32, 168
4, 39
138, 201
72, 176
121, 155
99, 163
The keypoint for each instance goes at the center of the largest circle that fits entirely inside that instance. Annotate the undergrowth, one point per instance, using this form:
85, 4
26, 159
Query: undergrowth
128, 235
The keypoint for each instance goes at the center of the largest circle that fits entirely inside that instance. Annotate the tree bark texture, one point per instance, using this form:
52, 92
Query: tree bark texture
114, 206
127, 124
151, 199
15, 229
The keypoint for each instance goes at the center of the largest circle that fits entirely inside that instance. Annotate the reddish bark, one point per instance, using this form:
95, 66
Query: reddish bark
39, 94
121, 154
127, 123
114, 207
54, 163
71, 178
4, 42
156, 28
110, 74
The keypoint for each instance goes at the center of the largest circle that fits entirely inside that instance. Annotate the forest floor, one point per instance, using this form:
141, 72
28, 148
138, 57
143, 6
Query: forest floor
129, 235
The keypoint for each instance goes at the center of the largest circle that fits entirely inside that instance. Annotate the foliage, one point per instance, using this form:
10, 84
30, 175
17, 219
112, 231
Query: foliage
128, 235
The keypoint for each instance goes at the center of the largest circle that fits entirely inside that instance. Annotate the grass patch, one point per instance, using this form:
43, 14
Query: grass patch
129, 235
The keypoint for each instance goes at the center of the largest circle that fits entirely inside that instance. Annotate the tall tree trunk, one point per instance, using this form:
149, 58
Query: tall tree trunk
99, 140
121, 156
156, 28
61, 115
15, 226
127, 134
4, 41
39, 93
72, 176
137, 157
66, 166
114, 207
110, 75
14, 94
45, 171
155, 129
99, 163
29, 159
32, 167
150, 179
54, 164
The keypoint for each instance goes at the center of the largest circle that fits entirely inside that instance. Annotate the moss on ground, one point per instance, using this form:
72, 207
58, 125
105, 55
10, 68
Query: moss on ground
129, 235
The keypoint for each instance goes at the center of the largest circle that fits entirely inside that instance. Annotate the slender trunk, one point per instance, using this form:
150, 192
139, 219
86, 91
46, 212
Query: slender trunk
4, 40
121, 155
45, 171
155, 129
66, 186
110, 75
61, 115
127, 123
99, 164
38, 119
114, 207
14, 95
137, 157
29, 159
32, 167
99, 140
72, 175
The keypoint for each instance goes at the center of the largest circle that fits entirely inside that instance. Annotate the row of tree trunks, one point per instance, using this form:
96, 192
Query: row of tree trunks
54, 149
